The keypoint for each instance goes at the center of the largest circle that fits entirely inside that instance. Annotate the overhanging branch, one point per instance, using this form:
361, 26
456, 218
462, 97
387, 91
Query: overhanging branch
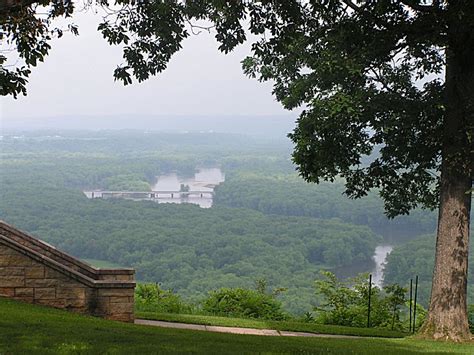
7, 6
415, 5
353, 6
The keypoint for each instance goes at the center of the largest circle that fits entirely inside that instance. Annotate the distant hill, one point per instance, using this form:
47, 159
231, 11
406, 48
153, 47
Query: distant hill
273, 126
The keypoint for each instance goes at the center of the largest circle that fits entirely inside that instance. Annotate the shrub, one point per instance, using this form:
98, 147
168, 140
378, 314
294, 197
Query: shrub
421, 313
244, 303
346, 303
151, 298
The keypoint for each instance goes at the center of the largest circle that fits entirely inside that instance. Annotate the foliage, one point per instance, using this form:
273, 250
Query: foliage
346, 303
421, 313
187, 249
29, 32
244, 303
308, 317
52, 331
129, 182
152, 298
326, 56
362, 95
367, 73
286, 194
417, 258
101, 264
368, 76
394, 299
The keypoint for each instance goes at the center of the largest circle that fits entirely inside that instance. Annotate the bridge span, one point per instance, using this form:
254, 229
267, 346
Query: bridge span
152, 195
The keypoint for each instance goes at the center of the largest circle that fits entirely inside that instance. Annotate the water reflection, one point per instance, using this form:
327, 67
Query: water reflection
205, 179
171, 188
380, 256
375, 266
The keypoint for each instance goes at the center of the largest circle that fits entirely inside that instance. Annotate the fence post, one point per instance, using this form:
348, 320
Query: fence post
370, 294
411, 301
414, 307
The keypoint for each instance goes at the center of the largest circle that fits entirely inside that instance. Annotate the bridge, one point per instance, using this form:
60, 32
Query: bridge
152, 195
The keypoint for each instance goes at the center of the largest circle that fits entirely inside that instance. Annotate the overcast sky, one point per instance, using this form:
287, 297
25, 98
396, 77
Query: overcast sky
76, 79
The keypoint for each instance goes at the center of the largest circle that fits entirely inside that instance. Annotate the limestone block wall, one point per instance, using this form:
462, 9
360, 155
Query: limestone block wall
35, 272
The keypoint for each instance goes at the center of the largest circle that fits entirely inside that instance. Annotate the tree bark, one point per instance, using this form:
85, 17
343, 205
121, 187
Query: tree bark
447, 316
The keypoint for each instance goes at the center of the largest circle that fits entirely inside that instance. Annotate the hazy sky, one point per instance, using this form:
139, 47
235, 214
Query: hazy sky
76, 79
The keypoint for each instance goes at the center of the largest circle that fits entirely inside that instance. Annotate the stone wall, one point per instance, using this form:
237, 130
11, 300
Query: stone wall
34, 271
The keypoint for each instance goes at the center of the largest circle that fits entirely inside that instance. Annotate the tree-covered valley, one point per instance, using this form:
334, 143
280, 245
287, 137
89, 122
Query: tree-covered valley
266, 223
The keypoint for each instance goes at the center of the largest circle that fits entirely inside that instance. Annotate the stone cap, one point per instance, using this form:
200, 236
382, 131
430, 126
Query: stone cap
64, 269
62, 262
55, 254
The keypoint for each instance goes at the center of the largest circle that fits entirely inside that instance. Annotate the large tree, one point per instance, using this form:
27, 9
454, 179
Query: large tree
391, 76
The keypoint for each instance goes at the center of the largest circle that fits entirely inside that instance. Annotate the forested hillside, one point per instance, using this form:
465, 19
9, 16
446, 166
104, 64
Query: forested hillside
266, 222
189, 249
417, 258
289, 195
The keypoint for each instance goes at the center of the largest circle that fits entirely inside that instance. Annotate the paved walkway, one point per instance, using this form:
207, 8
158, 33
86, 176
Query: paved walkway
235, 330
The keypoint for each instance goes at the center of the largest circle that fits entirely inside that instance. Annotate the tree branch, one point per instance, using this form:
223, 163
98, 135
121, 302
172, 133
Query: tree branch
378, 78
415, 5
353, 6
199, 28
7, 6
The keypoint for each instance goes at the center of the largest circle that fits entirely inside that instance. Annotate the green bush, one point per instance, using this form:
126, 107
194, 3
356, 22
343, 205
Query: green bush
151, 298
346, 303
243, 303
421, 313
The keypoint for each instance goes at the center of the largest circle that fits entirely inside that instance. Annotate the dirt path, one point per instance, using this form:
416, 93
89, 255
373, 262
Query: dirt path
235, 330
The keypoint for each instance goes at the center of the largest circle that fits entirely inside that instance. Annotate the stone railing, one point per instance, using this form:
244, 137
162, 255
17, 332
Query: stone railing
36, 272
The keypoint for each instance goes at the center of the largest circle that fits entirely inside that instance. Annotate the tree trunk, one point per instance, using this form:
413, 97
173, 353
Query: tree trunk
447, 316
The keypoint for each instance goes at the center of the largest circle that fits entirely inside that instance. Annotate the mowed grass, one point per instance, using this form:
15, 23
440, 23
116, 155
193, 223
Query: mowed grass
29, 329
277, 325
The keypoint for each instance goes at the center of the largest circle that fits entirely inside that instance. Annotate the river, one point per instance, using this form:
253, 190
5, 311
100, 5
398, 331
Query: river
380, 257
374, 266
205, 179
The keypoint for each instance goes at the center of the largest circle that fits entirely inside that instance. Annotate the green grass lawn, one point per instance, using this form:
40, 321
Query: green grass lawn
277, 325
28, 329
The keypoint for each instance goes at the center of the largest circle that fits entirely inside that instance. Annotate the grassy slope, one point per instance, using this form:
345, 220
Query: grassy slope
27, 329
278, 325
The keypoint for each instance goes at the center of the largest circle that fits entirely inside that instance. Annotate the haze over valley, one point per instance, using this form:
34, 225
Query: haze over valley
265, 221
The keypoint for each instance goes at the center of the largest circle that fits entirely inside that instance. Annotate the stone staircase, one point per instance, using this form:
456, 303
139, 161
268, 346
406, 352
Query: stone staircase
36, 272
